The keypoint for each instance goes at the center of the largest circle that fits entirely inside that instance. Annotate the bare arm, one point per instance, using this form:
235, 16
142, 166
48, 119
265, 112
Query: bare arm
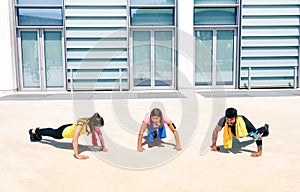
177, 147
173, 129
75, 143
215, 137
140, 137
102, 142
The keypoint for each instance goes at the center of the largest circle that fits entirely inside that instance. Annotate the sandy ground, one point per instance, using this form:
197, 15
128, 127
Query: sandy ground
50, 166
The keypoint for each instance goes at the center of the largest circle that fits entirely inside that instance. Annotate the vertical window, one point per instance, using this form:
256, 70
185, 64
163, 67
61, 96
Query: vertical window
53, 59
40, 44
204, 57
30, 59
225, 57
141, 58
163, 58
152, 24
215, 24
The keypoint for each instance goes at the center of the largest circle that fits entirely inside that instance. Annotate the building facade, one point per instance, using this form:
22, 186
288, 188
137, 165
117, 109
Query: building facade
149, 44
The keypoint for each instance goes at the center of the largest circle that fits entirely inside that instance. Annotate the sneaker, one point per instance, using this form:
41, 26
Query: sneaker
33, 137
38, 136
267, 128
253, 135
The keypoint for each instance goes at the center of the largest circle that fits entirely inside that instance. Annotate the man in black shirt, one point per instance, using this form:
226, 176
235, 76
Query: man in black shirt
230, 121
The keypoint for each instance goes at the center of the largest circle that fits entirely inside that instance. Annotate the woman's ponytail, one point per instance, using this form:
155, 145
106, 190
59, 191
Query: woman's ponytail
95, 120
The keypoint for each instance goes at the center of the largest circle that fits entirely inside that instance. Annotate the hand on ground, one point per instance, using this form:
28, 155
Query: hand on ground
178, 148
215, 148
82, 157
140, 149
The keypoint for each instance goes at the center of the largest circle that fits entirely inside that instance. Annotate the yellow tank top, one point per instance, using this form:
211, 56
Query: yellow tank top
69, 131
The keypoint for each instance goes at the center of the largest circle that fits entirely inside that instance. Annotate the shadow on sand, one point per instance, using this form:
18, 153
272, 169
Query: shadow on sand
156, 143
68, 145
237, 146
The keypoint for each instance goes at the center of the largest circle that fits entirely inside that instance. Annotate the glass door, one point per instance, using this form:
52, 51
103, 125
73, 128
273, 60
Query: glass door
204, 57
141, 58
215, 57
41, 59
30, 68
152, 62
225, 57
163, 58
53, 60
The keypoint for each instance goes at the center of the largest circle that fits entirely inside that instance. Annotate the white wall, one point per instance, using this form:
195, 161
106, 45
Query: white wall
185, 44
7, 76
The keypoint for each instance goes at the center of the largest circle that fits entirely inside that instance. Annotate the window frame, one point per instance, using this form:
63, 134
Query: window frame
152, 76
237, 48
16, 19
153, 28
38, 8
149, 8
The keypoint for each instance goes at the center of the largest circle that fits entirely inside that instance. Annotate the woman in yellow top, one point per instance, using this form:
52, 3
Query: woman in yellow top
82, 126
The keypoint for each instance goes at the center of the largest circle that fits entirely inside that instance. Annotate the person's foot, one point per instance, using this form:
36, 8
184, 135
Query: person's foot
267, 128
38, 136
256, 154
33, 136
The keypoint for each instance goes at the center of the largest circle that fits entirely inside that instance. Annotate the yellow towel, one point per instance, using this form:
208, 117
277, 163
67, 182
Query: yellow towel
240, 131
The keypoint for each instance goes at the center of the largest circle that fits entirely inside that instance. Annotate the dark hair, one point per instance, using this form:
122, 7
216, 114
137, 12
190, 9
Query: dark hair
95, 120
157, 112
231, 112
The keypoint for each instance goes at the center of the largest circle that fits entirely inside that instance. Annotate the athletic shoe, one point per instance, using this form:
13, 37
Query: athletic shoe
253, 135
33, 137
267, 128
38, 136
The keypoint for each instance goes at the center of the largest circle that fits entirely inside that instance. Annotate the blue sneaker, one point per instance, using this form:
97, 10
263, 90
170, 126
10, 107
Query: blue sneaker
253, 135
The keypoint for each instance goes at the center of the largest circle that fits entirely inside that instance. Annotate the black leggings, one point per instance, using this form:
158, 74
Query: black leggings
54, 133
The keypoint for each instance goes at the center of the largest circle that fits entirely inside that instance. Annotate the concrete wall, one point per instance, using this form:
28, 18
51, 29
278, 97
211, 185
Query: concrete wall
7, 71
185, 44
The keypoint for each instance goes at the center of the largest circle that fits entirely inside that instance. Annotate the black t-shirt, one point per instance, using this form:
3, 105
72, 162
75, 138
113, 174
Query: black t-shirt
249, 126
